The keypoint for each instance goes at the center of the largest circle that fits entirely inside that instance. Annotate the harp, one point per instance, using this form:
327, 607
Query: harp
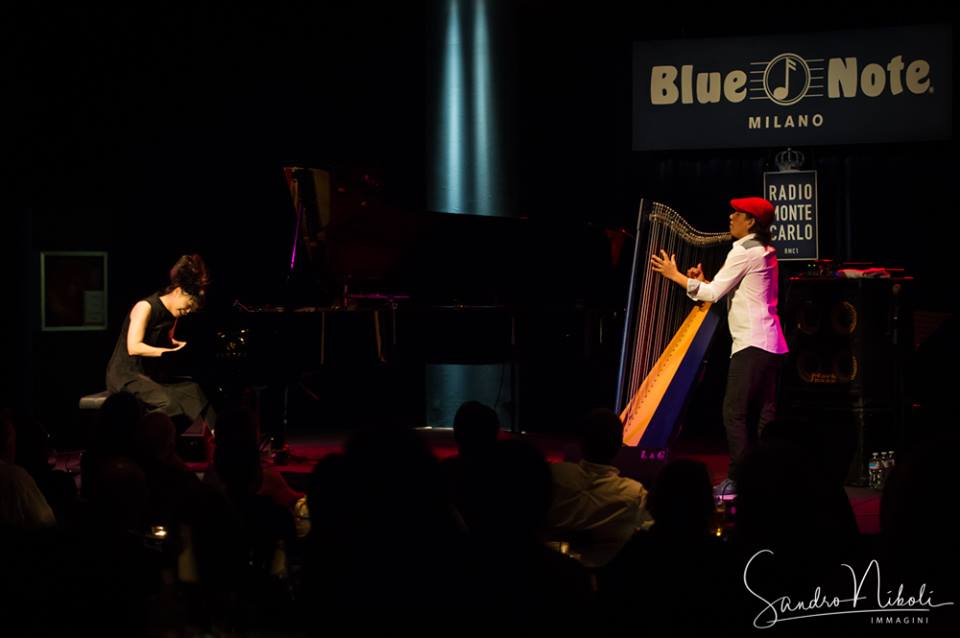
666, 335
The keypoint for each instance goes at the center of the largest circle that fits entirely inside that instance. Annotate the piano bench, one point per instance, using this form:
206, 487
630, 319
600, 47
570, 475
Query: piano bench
94, 401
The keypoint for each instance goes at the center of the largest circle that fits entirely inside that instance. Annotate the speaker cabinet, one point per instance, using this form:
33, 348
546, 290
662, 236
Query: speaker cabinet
849, 342
849, 339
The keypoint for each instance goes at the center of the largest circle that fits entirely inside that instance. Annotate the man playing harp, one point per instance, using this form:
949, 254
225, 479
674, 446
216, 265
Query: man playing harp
749, 276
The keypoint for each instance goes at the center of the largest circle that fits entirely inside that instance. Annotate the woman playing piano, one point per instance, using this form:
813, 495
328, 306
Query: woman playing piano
148, 333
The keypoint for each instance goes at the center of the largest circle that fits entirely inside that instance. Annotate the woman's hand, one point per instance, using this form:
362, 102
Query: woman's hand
177, 345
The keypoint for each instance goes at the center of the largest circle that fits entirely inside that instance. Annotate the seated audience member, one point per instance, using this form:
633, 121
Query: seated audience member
514, 573
240, 470
22, 504
175, 494
691, 567
475, 430
242, 427
917, 546
778, 477
593, 505
799, 518
113, 436
33, 454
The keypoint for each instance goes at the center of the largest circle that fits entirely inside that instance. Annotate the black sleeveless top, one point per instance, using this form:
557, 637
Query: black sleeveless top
124, 368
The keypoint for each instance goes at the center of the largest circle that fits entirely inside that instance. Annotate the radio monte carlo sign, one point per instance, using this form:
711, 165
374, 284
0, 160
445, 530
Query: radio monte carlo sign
847, 87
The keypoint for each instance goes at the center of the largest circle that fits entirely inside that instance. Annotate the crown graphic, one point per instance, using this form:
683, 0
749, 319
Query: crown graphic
789, 160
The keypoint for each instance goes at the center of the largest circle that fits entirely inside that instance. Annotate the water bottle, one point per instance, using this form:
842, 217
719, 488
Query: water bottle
886, 465
884, 468
873, 474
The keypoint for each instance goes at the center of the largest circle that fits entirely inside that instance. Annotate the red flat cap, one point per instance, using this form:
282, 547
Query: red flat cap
756, 206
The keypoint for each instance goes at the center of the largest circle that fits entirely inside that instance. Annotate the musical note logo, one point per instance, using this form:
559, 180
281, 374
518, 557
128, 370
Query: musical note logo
781, 92
795, 73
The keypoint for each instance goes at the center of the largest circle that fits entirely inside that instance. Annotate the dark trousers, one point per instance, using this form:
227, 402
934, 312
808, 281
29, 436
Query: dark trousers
750, 400
182, 401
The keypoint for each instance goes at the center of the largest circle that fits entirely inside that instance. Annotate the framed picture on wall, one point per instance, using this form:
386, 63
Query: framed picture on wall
73, 290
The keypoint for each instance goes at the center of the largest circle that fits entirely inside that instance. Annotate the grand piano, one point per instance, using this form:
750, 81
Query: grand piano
383, 315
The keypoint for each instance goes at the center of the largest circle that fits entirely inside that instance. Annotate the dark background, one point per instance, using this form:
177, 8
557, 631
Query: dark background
150, 133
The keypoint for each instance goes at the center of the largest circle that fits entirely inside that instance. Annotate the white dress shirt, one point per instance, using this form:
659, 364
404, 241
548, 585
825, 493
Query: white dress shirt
749, 278
595, 499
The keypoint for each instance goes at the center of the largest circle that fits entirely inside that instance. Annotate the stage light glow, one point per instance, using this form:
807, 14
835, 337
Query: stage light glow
450, 184
484, 148
467, 169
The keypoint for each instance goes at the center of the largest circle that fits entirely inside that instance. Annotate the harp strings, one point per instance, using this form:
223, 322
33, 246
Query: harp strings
662, 305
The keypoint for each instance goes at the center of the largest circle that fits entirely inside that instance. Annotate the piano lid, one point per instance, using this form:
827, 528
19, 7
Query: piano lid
348, 237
